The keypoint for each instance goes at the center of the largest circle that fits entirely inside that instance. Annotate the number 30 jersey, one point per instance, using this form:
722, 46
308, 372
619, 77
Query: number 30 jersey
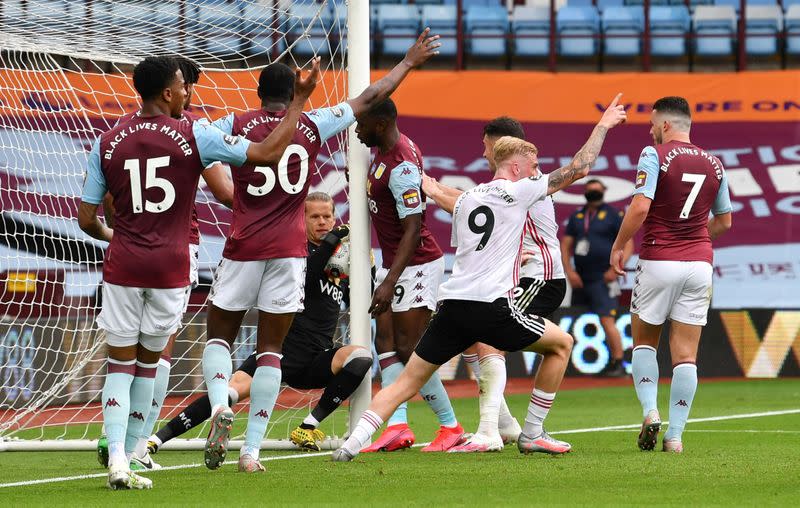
269, 202
488, 225
684, 183
151, 166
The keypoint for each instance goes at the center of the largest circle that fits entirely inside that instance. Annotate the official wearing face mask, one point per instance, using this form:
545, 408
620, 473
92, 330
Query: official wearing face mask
588, 238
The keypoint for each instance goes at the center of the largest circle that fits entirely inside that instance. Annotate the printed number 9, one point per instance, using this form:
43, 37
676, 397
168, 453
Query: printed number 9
399, 292
485, 228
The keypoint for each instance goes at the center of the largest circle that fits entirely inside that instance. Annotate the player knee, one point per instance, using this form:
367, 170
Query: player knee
154, 343
358, 362
404, 351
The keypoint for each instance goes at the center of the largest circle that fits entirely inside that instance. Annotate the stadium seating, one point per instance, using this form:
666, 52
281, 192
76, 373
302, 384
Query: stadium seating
736, 4
715, 28
218, 13
577, 29
488, 28
466, 4
442, 20
622, 28
530, 21
652, 2
792, 26
399, 24
668, 29
257, 31
603, 4
144, 27
763, 25
303, 16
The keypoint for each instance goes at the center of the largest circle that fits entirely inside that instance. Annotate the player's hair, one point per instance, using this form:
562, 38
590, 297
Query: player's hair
322, 197
595, 180
678, 108
384, 109
276, 81
190, 70
504, 126
153, 74
508, 147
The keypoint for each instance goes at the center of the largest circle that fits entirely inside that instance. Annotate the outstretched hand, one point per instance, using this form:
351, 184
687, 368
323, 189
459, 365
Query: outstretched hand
304, 87
615, 114
425, 47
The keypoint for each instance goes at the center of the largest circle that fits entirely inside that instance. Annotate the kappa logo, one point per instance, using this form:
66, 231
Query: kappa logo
418, 299
645, 380
682, 403
136, 415
154, 404
419, 274
262, 414
419, 286
219, 375
112, 402
406, 171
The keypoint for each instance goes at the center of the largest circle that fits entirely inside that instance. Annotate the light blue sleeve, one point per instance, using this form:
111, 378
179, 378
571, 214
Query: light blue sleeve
647, 173
94, 185
331, 121
405, 182
722, 204
216, 146
225, 124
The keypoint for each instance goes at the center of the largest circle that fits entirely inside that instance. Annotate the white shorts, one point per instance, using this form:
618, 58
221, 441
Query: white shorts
276, 286
418, 285
678, 290
129, 311
194, 261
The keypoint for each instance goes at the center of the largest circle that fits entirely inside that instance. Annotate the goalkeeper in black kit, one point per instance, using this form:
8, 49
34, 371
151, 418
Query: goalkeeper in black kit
310, 359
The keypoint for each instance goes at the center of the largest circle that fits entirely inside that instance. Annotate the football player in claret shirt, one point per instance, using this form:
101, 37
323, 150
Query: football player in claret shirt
677, 185
264, 259
413, 265
477, 300
310, 360
151, 166
218, 181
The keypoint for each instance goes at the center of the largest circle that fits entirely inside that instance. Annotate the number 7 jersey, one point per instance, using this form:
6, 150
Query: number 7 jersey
684, 183
488, 225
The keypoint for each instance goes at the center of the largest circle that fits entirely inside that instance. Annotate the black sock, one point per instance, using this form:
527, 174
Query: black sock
192, 415
341, 386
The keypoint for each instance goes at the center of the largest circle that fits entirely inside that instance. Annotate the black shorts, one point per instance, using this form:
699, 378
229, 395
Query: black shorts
313, 373
540, 297
458, 324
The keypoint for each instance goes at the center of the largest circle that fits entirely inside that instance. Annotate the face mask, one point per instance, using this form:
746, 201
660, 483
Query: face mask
593, 195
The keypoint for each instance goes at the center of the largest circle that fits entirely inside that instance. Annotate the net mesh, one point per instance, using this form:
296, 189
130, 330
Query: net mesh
65, 78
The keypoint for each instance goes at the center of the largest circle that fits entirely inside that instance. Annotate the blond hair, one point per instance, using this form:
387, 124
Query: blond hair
323, 197
508, 147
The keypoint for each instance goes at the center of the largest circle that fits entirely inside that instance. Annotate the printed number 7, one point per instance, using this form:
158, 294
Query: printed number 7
697, 182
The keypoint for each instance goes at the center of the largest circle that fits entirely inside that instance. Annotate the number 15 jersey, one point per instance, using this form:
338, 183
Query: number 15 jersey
488, 223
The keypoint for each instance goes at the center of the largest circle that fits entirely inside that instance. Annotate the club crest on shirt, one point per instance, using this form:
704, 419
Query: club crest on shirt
231, 140
641, 178
601, 215
411, 198
379, 171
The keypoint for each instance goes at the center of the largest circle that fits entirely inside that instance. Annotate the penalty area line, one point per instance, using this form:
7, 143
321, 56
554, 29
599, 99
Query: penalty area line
322, 454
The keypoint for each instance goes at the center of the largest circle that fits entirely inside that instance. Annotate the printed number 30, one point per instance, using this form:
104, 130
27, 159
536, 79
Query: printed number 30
486, 226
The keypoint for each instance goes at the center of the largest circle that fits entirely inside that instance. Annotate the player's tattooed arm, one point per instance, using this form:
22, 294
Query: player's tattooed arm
90, 223
583, 161
426, 46
445, 197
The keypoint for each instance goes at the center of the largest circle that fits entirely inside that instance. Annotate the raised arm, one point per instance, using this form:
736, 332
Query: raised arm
583, 161
220, 184
425, 47
270, 151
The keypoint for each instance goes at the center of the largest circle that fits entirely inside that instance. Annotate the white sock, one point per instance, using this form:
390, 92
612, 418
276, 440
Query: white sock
537, 411
492, 384
644, 367
310, 420
362, 434
504, 418
155, 439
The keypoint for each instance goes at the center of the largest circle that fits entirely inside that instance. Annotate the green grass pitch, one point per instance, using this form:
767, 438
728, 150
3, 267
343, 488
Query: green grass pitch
733, 462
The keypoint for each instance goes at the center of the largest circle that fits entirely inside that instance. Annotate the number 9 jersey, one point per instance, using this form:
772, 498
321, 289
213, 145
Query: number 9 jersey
488, 225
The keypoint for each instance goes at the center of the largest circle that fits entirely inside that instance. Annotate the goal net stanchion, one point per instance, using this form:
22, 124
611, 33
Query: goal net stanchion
65, 78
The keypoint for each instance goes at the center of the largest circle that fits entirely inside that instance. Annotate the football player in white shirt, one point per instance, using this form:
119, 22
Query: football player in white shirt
541, 290
476, 303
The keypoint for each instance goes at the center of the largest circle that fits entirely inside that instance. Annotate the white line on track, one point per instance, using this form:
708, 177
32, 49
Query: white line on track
321, 454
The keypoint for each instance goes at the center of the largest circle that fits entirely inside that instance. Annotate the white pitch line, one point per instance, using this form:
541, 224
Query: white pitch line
732, 431
691, 420
322, 454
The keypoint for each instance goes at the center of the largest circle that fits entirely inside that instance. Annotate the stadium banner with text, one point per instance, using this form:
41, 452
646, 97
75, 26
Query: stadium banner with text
750, 120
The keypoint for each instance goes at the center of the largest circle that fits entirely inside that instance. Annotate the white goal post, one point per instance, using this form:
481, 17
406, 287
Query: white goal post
65, 78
